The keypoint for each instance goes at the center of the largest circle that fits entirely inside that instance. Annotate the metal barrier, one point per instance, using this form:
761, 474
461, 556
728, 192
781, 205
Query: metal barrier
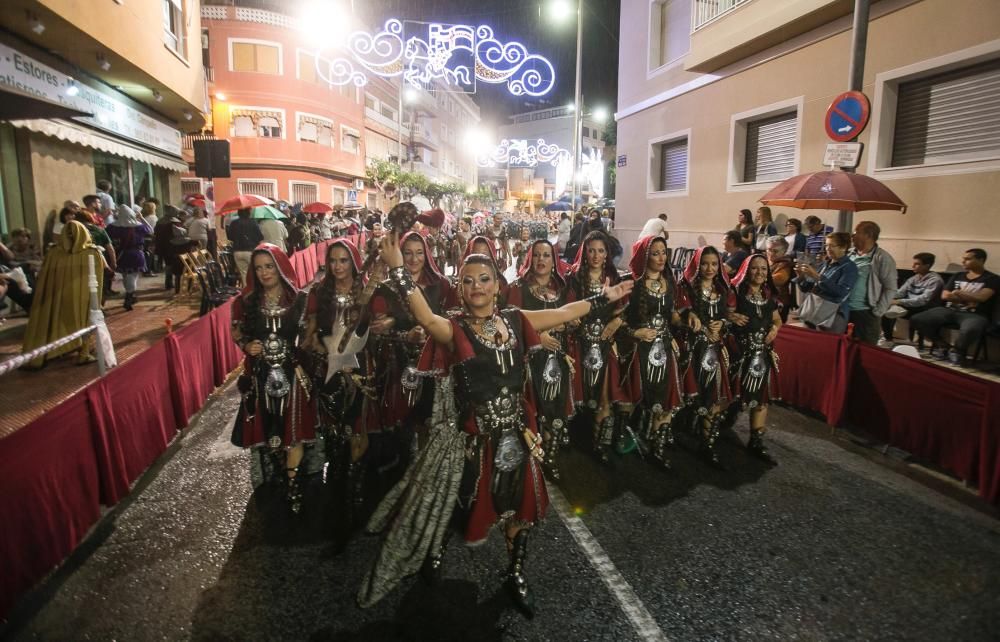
96, 322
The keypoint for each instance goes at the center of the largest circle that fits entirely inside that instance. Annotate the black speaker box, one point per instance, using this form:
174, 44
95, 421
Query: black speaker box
211, 158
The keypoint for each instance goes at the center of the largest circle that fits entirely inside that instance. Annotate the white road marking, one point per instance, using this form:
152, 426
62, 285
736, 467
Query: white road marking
634, 609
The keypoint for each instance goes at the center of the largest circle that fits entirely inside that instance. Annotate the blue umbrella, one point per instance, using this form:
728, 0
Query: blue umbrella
558, 206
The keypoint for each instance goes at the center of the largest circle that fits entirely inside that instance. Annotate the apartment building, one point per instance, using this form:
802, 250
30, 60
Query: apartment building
293, 136
720, 100
95, 90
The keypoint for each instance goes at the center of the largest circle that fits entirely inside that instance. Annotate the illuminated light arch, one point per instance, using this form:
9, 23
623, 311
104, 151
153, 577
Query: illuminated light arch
457, 55
517, 152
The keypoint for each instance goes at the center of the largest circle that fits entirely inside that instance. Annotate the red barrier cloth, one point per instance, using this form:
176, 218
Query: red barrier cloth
931, 411
225, 355
50, 498
192, 369
129, 404
813, 370
989, 448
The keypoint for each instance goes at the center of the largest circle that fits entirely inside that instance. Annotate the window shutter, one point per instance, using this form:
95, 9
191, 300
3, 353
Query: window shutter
952, 116
258, 188
304, 193
673, 165
770, 154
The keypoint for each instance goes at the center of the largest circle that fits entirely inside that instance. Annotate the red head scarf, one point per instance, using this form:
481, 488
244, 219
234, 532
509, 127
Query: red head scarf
432, 218
693, 266
610, 271
352, 250
430, 266
559, 273
742, 279
640, 252
493, 253
285, 269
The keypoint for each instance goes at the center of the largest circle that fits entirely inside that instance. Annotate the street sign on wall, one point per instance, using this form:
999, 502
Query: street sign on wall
622, 160
842, 154
847, 116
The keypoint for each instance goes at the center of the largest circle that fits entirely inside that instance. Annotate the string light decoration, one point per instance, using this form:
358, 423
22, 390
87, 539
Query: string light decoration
422, 52
522, 153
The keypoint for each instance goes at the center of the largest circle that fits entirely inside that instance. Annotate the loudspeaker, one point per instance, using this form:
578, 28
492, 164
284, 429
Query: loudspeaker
211, 158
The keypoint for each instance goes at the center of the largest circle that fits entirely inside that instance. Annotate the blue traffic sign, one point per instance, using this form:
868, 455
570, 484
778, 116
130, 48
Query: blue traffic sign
847, 116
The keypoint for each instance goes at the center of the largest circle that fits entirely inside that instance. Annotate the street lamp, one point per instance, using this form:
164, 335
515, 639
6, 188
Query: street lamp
560, 10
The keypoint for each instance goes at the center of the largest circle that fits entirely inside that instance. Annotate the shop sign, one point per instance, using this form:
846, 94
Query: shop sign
27, 75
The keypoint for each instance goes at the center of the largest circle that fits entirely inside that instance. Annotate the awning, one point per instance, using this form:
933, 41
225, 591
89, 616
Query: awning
80, 135
15, 104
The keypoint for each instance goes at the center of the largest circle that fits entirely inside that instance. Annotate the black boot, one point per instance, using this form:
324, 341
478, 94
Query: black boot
551, 447
129, 300
757, 448
662, 439
710, 437
356, 488
517, 582
603, 434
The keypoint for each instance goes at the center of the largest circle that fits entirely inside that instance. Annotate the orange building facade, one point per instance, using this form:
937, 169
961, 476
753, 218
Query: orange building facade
292, 136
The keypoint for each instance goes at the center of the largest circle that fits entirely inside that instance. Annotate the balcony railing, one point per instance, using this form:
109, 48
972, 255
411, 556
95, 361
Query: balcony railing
705, 11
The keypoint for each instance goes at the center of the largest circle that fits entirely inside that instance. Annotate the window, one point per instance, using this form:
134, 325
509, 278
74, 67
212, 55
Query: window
770, 148
269, 127
173, 27
370, 102
257, 57
350, 139
669, 31
372, 200
303, 192
314, 129
586, 132
307, 68
266, 187
190, 186
252, 123
669, 164
948, 117
339, 196
389, 112
349, 91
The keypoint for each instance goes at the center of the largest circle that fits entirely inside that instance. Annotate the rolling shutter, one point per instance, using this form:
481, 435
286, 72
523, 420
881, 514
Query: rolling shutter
770, 154
952, 116
673, 165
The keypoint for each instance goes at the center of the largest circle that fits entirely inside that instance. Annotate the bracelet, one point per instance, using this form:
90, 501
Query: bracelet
403, 282
597, 301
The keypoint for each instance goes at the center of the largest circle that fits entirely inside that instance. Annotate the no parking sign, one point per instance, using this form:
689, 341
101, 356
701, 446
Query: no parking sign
847, 116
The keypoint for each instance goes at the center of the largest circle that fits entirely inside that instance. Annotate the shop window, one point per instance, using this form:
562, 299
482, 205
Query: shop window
173, 27
115, 170
256, 57
143, 184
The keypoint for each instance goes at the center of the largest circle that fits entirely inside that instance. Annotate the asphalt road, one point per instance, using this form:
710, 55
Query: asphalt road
826, 546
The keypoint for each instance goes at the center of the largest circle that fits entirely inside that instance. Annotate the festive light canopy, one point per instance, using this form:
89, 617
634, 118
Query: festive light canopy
457, 55
523, 153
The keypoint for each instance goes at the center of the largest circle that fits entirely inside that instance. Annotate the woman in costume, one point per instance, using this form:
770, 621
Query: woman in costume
129, 234
480, 244
542, 286
484, 448
61, 302
521, 246
706, 295
337, 332
277, 415
756, 321
654, 375
598, 374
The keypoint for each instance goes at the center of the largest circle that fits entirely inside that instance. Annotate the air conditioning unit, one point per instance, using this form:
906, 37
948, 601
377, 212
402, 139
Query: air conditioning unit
359, 184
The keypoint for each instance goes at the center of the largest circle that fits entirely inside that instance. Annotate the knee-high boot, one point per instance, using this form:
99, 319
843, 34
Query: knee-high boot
517, 582
757, 448
603, 435
710, 437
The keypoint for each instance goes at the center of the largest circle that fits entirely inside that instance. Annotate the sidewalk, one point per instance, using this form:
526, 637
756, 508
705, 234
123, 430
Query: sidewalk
28, 395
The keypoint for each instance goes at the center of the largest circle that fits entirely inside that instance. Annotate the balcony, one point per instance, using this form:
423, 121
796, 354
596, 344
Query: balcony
705, 11
389, 126
727, 31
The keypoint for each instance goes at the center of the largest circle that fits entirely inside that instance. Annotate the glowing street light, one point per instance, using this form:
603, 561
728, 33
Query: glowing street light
476, 141
324, 21
560, 10
600, 114
411, 95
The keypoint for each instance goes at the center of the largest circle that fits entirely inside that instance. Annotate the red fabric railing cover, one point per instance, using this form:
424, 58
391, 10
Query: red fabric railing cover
192, 368
812, 367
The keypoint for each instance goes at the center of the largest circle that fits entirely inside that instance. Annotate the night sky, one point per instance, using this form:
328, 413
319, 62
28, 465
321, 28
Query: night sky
520, 20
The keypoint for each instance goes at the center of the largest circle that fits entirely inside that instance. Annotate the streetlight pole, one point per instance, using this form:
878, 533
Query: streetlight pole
855, 81
577, 104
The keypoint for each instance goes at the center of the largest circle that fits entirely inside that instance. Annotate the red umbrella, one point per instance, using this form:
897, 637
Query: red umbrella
318, 207
834, 190
243, 201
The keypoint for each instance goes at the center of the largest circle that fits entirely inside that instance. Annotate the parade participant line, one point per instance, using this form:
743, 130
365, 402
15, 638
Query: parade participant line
634, 609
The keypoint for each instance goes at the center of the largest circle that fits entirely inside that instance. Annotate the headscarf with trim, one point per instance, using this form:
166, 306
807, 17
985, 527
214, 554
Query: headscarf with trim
610, 271
693, 267
352, 250
741, 280
430, 265
285, 270
493, 254
559, 266
125, 216
640, 251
